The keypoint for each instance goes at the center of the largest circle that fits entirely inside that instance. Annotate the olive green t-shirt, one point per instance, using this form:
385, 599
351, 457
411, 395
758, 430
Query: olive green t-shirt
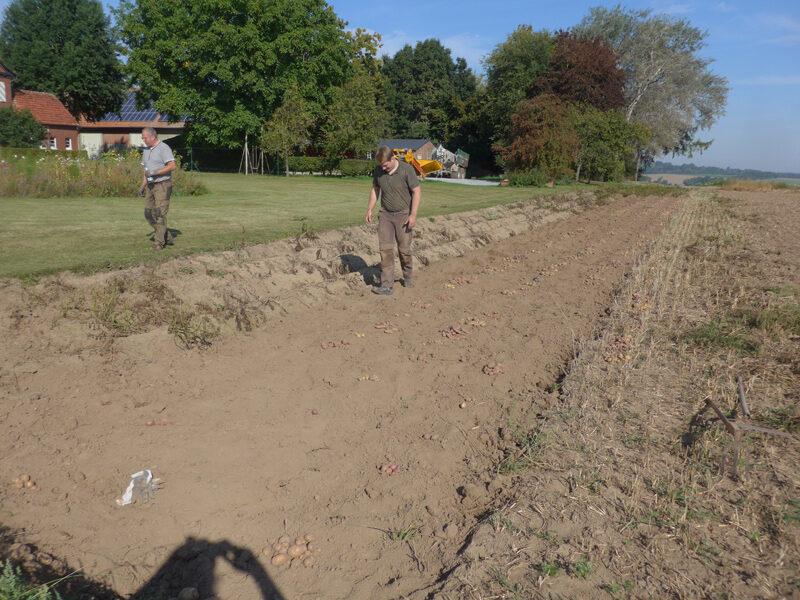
396, 188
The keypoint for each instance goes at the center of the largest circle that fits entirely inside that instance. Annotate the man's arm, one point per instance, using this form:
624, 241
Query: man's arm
165, 170
416, 196
373, 199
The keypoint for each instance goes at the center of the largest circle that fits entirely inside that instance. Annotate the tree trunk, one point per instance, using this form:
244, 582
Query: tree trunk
287, 163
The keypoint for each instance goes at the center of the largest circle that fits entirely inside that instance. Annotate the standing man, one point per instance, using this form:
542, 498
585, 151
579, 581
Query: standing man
397, 183
158, 163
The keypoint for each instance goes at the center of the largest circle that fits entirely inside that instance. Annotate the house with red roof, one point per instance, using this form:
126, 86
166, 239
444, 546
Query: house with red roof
62, 128
123, 129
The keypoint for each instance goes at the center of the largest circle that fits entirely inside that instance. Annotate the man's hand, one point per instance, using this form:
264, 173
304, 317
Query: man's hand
410, 221
368, 218
141, 191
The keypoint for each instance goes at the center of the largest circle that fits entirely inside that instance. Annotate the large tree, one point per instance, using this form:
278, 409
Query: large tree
355, 118
227, 64
583, 70
669, 88
514, 71
64, 47
289, 126
542, 137
422, 85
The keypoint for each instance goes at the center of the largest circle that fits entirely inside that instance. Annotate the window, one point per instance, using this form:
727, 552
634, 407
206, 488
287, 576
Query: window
53, 144
3, 91
68, 144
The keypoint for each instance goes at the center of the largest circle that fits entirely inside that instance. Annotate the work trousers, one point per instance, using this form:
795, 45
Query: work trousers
390, 230
156, 207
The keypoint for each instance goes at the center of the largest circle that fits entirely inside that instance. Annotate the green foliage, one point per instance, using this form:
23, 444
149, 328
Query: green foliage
48, 174
14, 586
421, 85
583, 568
472, 132
352, 168
20, 129
720, 333
289, 126
306, 164
542, 137
513, 74
64, 47
604, 137
522, 177
355, 120
229, 64
669, 88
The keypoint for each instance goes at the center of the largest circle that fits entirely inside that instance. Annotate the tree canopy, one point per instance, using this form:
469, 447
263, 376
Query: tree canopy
514, 71
64, 47
583, 70
669, 88
227, 64
422, 85
355, 119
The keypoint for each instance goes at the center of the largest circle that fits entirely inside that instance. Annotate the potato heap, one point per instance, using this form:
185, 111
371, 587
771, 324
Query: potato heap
284, 552
24, 481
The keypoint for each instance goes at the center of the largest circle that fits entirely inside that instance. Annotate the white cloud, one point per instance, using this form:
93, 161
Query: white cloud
676, 9
725, 7
785, 30
470, 47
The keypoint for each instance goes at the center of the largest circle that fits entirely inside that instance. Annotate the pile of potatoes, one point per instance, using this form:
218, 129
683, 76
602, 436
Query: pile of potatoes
24, 481
301, 552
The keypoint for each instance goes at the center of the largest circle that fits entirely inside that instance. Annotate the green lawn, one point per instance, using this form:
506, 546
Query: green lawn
40, 236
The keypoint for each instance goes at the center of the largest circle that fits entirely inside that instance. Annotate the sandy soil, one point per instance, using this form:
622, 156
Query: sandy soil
283, 430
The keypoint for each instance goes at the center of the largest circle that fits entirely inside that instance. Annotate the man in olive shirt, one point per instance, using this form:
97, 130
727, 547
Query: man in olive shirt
400, 193
158, 163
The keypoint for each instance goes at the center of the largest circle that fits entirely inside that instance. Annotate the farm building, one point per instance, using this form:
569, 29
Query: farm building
123, 130
422, 149
62, 128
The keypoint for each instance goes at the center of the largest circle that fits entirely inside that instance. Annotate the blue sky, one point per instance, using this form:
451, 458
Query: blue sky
755, 45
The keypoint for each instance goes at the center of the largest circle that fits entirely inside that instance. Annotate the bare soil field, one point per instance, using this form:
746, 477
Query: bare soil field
517, 425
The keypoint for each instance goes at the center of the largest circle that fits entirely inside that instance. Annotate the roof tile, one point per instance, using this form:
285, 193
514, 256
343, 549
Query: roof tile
45, 107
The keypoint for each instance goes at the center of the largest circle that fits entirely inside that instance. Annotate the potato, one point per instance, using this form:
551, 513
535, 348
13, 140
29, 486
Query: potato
276, 547
299, 542
279, 560
296, 551
25, 478
29, 484
284, 539
18, 484
311, 546
309, 562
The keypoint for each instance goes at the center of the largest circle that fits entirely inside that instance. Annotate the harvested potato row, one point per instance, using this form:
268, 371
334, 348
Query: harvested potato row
293, 553
24, 481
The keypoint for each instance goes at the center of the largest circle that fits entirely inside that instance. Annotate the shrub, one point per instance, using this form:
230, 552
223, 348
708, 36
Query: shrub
305, 164
20, 128
52, 174
350, 167
523, 177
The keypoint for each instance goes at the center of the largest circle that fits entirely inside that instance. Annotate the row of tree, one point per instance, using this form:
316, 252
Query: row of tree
601, 99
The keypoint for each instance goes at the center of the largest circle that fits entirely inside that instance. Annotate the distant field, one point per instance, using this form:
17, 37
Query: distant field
671, 178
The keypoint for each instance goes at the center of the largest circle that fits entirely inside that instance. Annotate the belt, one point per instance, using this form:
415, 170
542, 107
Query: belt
157, 182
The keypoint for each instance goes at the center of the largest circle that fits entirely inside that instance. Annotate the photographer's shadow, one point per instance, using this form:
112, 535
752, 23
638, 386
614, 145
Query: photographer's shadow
193, 566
